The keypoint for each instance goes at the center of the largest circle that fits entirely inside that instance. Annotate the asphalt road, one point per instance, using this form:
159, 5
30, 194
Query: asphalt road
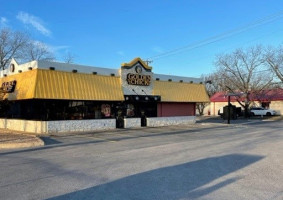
204, 161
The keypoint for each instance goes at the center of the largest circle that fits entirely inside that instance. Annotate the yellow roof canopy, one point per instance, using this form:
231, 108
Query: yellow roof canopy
47, 84
180, 92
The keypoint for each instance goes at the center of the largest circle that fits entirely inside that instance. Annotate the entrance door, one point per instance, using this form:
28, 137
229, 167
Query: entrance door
120, 119
147, 109
143, 118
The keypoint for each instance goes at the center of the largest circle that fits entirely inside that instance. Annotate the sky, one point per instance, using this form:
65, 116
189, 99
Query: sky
106, 33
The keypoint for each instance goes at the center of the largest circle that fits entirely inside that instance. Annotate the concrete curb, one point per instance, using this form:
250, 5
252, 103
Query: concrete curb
23, 144
12, 140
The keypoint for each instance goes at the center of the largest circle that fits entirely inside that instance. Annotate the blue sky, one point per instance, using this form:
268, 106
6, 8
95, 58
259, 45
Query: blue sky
107, 33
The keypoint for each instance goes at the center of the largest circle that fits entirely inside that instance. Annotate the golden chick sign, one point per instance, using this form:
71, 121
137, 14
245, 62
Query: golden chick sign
9, 87
138, 78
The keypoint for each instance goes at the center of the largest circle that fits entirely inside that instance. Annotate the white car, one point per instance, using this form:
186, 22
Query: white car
262, 111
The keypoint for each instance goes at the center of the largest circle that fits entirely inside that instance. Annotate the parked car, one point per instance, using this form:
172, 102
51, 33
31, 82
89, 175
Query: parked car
262, 111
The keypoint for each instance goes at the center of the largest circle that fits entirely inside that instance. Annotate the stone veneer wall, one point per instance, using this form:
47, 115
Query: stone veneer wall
47, 127
80, 125
167, 121
132, 122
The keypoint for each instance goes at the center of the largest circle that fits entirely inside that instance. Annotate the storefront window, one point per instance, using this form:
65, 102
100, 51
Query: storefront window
106, 110
130, 110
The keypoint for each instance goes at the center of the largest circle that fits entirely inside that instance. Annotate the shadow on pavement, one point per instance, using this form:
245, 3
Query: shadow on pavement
49, 141
175, 182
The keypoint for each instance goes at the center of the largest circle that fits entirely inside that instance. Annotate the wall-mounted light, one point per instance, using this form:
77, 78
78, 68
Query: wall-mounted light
146, 98
137, 98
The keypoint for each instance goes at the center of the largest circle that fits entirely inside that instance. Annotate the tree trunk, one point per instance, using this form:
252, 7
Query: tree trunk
246, 111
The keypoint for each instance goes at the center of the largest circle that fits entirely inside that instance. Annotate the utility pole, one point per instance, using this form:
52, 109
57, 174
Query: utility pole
148, 61
228, 120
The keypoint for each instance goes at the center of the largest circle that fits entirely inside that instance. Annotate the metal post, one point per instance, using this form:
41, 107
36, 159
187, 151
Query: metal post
228, 121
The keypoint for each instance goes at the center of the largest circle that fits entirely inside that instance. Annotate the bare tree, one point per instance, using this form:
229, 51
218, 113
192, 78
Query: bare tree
69, 58
274, 60
20, 46
12, 44
240, 72
214, 83
200, 107
212, 86
36, 50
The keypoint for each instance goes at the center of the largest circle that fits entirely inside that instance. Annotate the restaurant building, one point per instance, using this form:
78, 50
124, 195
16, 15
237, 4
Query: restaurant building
48, 97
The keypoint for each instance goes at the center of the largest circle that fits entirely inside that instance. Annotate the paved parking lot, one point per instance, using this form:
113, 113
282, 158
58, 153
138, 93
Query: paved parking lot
204, 161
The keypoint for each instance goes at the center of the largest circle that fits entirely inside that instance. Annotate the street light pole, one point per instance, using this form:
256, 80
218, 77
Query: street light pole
228, 120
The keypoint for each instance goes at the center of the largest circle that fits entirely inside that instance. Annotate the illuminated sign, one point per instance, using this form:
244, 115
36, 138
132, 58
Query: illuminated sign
9, 87
138, 79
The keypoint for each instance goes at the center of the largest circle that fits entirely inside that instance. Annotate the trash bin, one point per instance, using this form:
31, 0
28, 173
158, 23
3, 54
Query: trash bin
233, 112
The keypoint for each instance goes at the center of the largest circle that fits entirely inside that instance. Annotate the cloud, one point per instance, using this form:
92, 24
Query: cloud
56, 51
3, 21
34, 21
53, 49
42, 45
121, 53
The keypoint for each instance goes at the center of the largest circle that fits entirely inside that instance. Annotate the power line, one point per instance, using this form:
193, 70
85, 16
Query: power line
248, 42
213, 39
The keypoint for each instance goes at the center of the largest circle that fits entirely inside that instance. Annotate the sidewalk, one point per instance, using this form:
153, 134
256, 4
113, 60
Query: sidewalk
12, 139
218, 119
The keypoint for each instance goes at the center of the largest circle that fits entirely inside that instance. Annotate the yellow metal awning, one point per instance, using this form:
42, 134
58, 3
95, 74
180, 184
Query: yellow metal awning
25, 85
180, 92
47, 84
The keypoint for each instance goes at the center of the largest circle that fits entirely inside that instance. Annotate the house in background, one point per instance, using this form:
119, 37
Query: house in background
272, 99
